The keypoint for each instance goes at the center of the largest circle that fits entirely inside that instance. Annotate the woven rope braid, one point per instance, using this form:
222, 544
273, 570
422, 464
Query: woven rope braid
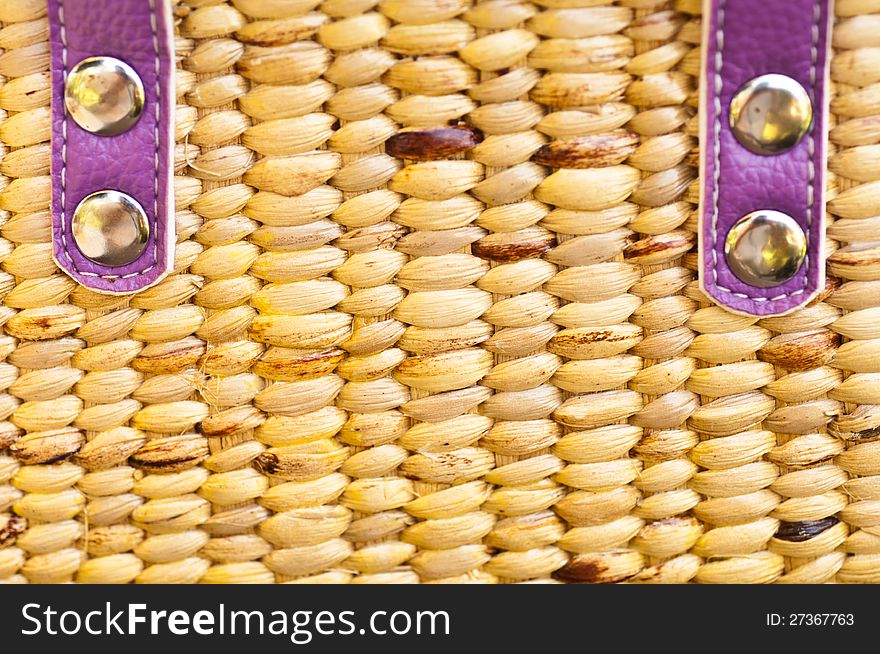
434, 317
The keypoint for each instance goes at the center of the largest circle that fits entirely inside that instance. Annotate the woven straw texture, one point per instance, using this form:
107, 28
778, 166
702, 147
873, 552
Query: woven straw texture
434, 317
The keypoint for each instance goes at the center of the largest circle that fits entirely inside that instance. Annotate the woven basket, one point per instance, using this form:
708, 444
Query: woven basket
435, 318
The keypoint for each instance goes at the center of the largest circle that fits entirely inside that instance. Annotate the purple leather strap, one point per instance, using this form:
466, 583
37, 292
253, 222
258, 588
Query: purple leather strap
742, 40
137, 162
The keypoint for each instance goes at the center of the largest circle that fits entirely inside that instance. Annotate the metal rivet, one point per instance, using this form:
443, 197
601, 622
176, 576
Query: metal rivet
110, 228
770, 114
104, 95
765, 248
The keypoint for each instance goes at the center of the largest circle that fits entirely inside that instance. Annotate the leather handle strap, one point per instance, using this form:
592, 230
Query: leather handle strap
137, 162
742, 40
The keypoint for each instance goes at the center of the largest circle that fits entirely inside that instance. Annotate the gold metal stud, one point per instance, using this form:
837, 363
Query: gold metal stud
765, 248
104, 95
770, 114
110, 228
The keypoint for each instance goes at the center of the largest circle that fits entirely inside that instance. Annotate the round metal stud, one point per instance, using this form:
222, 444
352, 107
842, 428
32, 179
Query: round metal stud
110, 228
765, 248
104, 95
770, 114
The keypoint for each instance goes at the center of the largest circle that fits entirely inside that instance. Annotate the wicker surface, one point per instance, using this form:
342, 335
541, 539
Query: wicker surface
434, 317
